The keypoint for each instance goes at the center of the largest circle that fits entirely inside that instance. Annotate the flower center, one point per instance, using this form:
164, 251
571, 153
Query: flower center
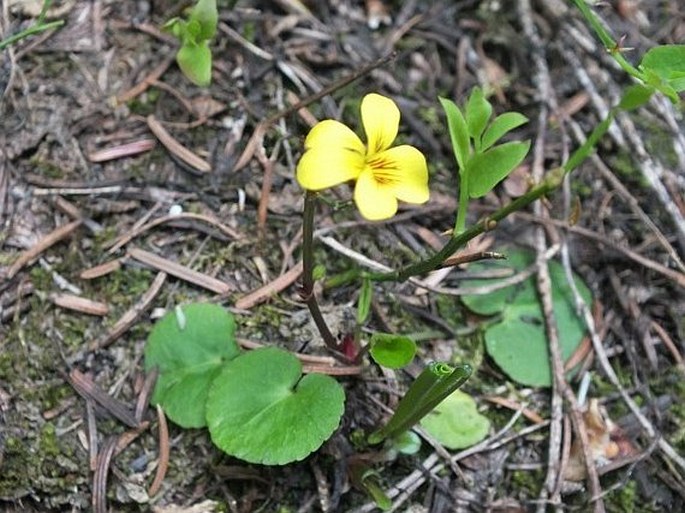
384, 170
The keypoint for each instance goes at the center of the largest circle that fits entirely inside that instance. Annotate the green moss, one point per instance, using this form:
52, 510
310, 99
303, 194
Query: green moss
46, 168
658, 140
144, 105
624, 499
527, 483
48, 443
623, 164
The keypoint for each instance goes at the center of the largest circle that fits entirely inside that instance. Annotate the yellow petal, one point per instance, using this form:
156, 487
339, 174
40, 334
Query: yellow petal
374, 200
334, 154
333, 133
381, 120
405, 173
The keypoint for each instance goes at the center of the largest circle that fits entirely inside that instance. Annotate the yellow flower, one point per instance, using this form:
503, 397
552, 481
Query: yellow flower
334, 155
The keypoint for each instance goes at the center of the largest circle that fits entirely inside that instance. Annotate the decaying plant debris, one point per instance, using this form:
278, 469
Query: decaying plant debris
103, 142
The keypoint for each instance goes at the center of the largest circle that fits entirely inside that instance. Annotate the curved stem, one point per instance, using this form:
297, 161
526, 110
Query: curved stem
307, 291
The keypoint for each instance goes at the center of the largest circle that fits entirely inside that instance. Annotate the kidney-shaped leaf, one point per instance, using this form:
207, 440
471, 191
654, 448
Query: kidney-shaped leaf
517, 342
487, 169
455, 422
262, 410
189, 345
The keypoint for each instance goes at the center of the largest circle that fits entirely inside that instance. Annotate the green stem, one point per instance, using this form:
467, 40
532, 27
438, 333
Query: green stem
34, 29
608, 41
460, 224
307, 291
552, 180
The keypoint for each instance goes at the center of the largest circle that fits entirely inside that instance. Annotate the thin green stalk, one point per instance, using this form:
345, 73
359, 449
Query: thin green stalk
551, 181
607, 40
38, 26
308, 271
460, 224
589, 145
33, 29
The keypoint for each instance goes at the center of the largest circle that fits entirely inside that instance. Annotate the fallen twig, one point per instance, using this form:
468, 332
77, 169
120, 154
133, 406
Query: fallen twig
127, 320
142, 228
80, 304
87, 389
263, 293
180, 271
104, 459
176, 148
163, 460
49, 240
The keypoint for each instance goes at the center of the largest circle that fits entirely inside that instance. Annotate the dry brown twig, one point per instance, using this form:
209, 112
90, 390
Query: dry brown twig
138, 229
180, 271
176, 148
163, 460
560, 388
132, 315
274, 287
55, 236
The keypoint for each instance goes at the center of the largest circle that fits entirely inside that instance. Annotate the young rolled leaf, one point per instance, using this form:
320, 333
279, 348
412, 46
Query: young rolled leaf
392, 351
487, 169
459, 133
437, 381
478, 112
500, 126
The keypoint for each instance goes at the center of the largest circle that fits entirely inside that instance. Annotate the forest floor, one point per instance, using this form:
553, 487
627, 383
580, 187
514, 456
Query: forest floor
110, 157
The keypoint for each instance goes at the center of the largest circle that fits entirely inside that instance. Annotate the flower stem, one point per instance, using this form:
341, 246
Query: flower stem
307, 291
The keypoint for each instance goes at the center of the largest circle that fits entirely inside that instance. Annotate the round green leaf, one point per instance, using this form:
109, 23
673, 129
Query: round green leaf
455, 422
189, 345
393, 351
517, 341
261, 409
407, 443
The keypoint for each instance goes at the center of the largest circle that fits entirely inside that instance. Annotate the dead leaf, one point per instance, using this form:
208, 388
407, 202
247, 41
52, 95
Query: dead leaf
518, 182
607, 442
